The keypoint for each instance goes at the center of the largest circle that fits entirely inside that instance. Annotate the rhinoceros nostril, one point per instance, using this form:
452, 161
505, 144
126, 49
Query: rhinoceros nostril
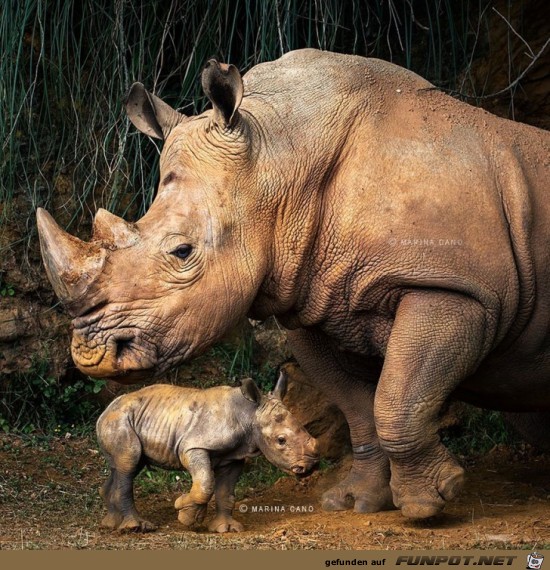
123, 347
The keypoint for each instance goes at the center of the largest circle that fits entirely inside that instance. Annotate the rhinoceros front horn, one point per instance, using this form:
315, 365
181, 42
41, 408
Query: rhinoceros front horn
71, 264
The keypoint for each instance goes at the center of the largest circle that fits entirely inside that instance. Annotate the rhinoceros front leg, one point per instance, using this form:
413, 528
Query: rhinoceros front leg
192, 506
436, 341
226, 479
366, 487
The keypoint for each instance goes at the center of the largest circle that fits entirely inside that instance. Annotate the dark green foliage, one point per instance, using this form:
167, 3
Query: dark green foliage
477, 432
66, 67
243, 360
35, 401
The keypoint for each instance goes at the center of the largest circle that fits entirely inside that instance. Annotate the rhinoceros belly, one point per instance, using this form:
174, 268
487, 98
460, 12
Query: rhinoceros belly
160, 452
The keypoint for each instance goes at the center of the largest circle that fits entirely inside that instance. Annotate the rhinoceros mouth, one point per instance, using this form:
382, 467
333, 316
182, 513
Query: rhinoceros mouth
121, 355
304, 469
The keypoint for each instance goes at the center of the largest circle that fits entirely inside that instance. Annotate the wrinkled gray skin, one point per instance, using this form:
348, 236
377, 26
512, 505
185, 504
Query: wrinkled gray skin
401, 236
209, 433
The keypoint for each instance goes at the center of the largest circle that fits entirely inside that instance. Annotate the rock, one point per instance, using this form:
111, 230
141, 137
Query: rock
12, 324
271, 338
322, 419
32, 335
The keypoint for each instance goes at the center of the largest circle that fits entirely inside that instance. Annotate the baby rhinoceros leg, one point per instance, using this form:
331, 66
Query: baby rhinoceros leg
122, 514
123, 451
226, 479
113, 517
192, 506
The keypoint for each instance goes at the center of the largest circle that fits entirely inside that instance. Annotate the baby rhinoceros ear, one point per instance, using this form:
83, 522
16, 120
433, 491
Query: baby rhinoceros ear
250, 391
223, 85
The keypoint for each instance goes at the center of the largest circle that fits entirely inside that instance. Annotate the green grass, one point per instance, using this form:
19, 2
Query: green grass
35, 402
478, 432
153, 480
241, 360
258, 475
228, 362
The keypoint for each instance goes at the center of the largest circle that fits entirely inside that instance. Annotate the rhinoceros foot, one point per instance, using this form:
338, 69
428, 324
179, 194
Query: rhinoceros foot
136, 524
224, 523
359, 491
112, 520
189, 513
423, 494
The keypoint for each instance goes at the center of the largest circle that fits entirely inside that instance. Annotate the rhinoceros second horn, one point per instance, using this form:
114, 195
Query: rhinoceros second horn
113, 231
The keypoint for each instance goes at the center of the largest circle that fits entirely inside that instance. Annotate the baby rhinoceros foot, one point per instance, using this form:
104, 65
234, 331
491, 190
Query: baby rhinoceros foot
189, 512
423, 494
136, 524
112, 520
224, 523
359, 492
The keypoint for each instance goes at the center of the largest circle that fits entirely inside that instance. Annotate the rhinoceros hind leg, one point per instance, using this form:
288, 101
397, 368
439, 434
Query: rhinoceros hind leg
124, 455
136, 524
534, 427
111, 520
119, 498
114, 517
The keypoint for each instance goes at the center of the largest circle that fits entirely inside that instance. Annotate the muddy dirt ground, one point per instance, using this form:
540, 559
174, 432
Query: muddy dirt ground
49, 499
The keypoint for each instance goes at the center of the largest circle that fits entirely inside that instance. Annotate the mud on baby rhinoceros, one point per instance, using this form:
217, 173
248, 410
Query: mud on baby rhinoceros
209, 433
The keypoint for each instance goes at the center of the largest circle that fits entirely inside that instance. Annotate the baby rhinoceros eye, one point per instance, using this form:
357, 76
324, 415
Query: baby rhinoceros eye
182, 251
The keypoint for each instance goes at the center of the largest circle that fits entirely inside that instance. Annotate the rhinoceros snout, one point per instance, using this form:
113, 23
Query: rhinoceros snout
310, 459
305, 468
121, 355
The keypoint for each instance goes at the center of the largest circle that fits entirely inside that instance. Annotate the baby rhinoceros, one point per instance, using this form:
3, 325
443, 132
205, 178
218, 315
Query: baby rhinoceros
209, 433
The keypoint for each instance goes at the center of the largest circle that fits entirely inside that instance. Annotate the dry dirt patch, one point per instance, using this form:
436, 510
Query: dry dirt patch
48, 499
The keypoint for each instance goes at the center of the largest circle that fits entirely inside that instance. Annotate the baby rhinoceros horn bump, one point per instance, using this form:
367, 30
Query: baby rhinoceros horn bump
71, 264
112, 231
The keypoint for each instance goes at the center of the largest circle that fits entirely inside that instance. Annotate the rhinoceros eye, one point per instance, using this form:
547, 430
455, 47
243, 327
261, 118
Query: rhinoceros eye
182, 251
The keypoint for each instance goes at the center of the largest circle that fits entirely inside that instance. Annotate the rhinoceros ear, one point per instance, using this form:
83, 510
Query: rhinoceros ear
150, 114
223, 85
282, 383
250, 391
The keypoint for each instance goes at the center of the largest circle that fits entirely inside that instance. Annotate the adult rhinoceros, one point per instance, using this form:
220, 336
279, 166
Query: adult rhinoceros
401, 236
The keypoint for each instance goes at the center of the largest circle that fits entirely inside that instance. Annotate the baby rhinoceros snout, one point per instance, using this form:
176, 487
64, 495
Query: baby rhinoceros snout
310, 459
